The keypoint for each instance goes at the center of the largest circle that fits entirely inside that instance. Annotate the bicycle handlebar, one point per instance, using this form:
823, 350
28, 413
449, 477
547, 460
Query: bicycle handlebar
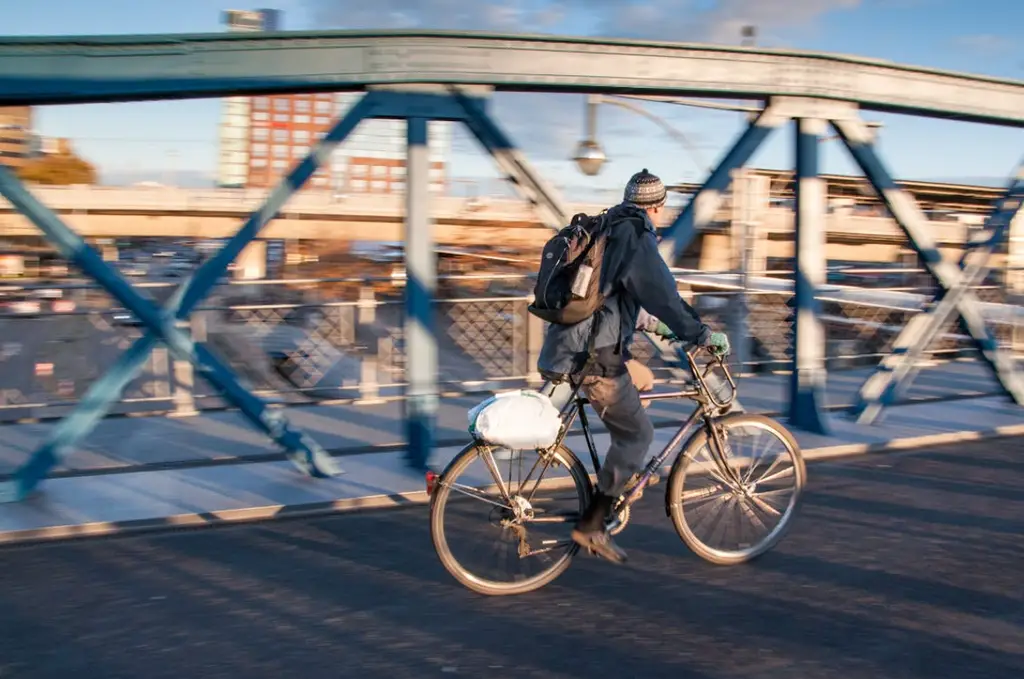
690, 351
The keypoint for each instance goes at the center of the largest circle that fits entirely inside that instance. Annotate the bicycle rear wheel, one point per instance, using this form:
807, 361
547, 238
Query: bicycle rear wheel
517, 508
728, 520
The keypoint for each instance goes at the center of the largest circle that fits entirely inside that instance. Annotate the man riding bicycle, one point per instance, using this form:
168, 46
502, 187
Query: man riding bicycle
634, 277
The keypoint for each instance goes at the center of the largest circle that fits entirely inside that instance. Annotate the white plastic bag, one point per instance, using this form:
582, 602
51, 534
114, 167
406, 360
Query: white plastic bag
518, 420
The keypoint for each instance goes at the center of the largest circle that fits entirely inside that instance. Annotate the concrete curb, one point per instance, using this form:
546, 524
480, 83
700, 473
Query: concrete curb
911, 442
660, 422
251, 515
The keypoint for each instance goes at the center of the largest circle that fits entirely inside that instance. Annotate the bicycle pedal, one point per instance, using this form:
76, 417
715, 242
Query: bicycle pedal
605, 554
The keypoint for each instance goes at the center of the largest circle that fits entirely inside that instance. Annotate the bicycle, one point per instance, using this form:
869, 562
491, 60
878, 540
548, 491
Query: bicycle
512, 511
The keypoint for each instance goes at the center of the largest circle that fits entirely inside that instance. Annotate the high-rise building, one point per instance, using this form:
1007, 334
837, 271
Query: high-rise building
15, 135
233, 161
261, 138
372, 159
282, 128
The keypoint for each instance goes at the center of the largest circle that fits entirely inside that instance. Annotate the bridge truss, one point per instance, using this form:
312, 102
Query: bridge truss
418, 77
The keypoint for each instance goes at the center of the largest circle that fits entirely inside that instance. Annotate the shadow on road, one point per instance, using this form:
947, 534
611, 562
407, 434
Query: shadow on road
883, 575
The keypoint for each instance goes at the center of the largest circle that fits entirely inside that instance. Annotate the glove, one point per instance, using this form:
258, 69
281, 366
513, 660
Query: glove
718, 343
663, 331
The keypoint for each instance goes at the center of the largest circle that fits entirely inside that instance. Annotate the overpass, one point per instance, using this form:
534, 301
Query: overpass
933, 197
107, 212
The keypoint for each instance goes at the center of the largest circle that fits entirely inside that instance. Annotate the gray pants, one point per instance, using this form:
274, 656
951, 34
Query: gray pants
617, 402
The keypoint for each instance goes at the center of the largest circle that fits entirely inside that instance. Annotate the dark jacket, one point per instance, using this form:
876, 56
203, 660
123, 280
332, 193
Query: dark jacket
633, 276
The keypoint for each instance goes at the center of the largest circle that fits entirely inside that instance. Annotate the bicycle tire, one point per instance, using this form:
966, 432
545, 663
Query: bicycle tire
478, 584
677, 479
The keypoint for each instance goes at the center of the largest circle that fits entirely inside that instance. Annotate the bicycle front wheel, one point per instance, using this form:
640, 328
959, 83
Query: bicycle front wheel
730, 518
501, 520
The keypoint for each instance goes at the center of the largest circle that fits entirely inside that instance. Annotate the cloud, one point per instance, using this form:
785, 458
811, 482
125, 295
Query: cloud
511, 16
548, 126
193, 179
987, 44
720, 22
678, 20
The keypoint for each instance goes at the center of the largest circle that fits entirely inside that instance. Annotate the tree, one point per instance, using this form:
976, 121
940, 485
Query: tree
58, 169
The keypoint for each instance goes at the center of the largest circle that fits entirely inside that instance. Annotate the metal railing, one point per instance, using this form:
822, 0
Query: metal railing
299, 349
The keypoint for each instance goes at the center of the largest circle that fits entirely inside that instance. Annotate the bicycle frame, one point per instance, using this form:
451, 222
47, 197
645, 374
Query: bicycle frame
709, 406
517, 510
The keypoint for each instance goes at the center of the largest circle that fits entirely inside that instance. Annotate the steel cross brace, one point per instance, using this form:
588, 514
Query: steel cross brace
705, 203
417, 104
165, 324
470, 108
527, 183
703, 206
897, 370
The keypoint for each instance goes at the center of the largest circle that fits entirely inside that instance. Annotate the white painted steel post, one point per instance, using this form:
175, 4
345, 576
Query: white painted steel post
739, 329
369, 365
808, 379
421, 273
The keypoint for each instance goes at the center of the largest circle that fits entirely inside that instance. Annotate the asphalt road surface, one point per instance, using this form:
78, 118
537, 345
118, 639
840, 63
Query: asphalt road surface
899, 566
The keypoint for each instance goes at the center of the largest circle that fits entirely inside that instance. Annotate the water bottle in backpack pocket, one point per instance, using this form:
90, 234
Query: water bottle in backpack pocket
568, 282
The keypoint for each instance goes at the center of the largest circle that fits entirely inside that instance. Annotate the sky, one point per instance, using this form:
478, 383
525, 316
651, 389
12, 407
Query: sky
177, 141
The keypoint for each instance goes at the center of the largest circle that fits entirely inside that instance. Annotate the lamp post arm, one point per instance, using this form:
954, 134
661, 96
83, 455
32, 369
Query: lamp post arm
685, 141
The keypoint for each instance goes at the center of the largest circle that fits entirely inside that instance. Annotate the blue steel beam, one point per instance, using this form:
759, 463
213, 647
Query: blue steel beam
702, 207
162, 324
525, 180
431, 103
704, 204
955, 281
897, 370
808, 377
420, 331
417, 107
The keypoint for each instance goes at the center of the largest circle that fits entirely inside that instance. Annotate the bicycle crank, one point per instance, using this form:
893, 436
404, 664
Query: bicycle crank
618, 522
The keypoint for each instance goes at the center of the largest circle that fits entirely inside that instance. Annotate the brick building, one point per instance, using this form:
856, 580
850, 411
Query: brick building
16, 138
261, 138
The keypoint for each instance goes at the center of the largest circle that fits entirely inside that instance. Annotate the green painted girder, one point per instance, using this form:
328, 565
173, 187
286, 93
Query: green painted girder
45, 70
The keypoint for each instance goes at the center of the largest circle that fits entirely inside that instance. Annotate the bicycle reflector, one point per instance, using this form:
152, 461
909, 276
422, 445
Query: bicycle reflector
431, 483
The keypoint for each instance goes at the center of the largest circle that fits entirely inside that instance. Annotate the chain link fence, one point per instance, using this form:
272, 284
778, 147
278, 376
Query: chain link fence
300, 350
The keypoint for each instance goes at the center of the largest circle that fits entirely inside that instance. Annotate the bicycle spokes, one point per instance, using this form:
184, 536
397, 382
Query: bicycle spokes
512, 512
738, 493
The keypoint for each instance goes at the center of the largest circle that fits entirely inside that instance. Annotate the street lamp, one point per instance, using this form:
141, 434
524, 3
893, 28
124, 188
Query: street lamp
590, 157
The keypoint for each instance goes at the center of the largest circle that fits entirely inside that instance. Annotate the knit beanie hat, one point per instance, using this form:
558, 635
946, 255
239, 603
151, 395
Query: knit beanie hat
645, 190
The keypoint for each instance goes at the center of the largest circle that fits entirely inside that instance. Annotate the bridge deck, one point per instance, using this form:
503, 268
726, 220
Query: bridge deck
899, 566
157, 472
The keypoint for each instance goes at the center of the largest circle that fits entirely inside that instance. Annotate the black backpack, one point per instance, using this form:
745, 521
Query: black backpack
568, 286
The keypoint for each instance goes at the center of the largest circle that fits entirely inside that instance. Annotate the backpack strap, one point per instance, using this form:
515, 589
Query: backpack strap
591, 347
